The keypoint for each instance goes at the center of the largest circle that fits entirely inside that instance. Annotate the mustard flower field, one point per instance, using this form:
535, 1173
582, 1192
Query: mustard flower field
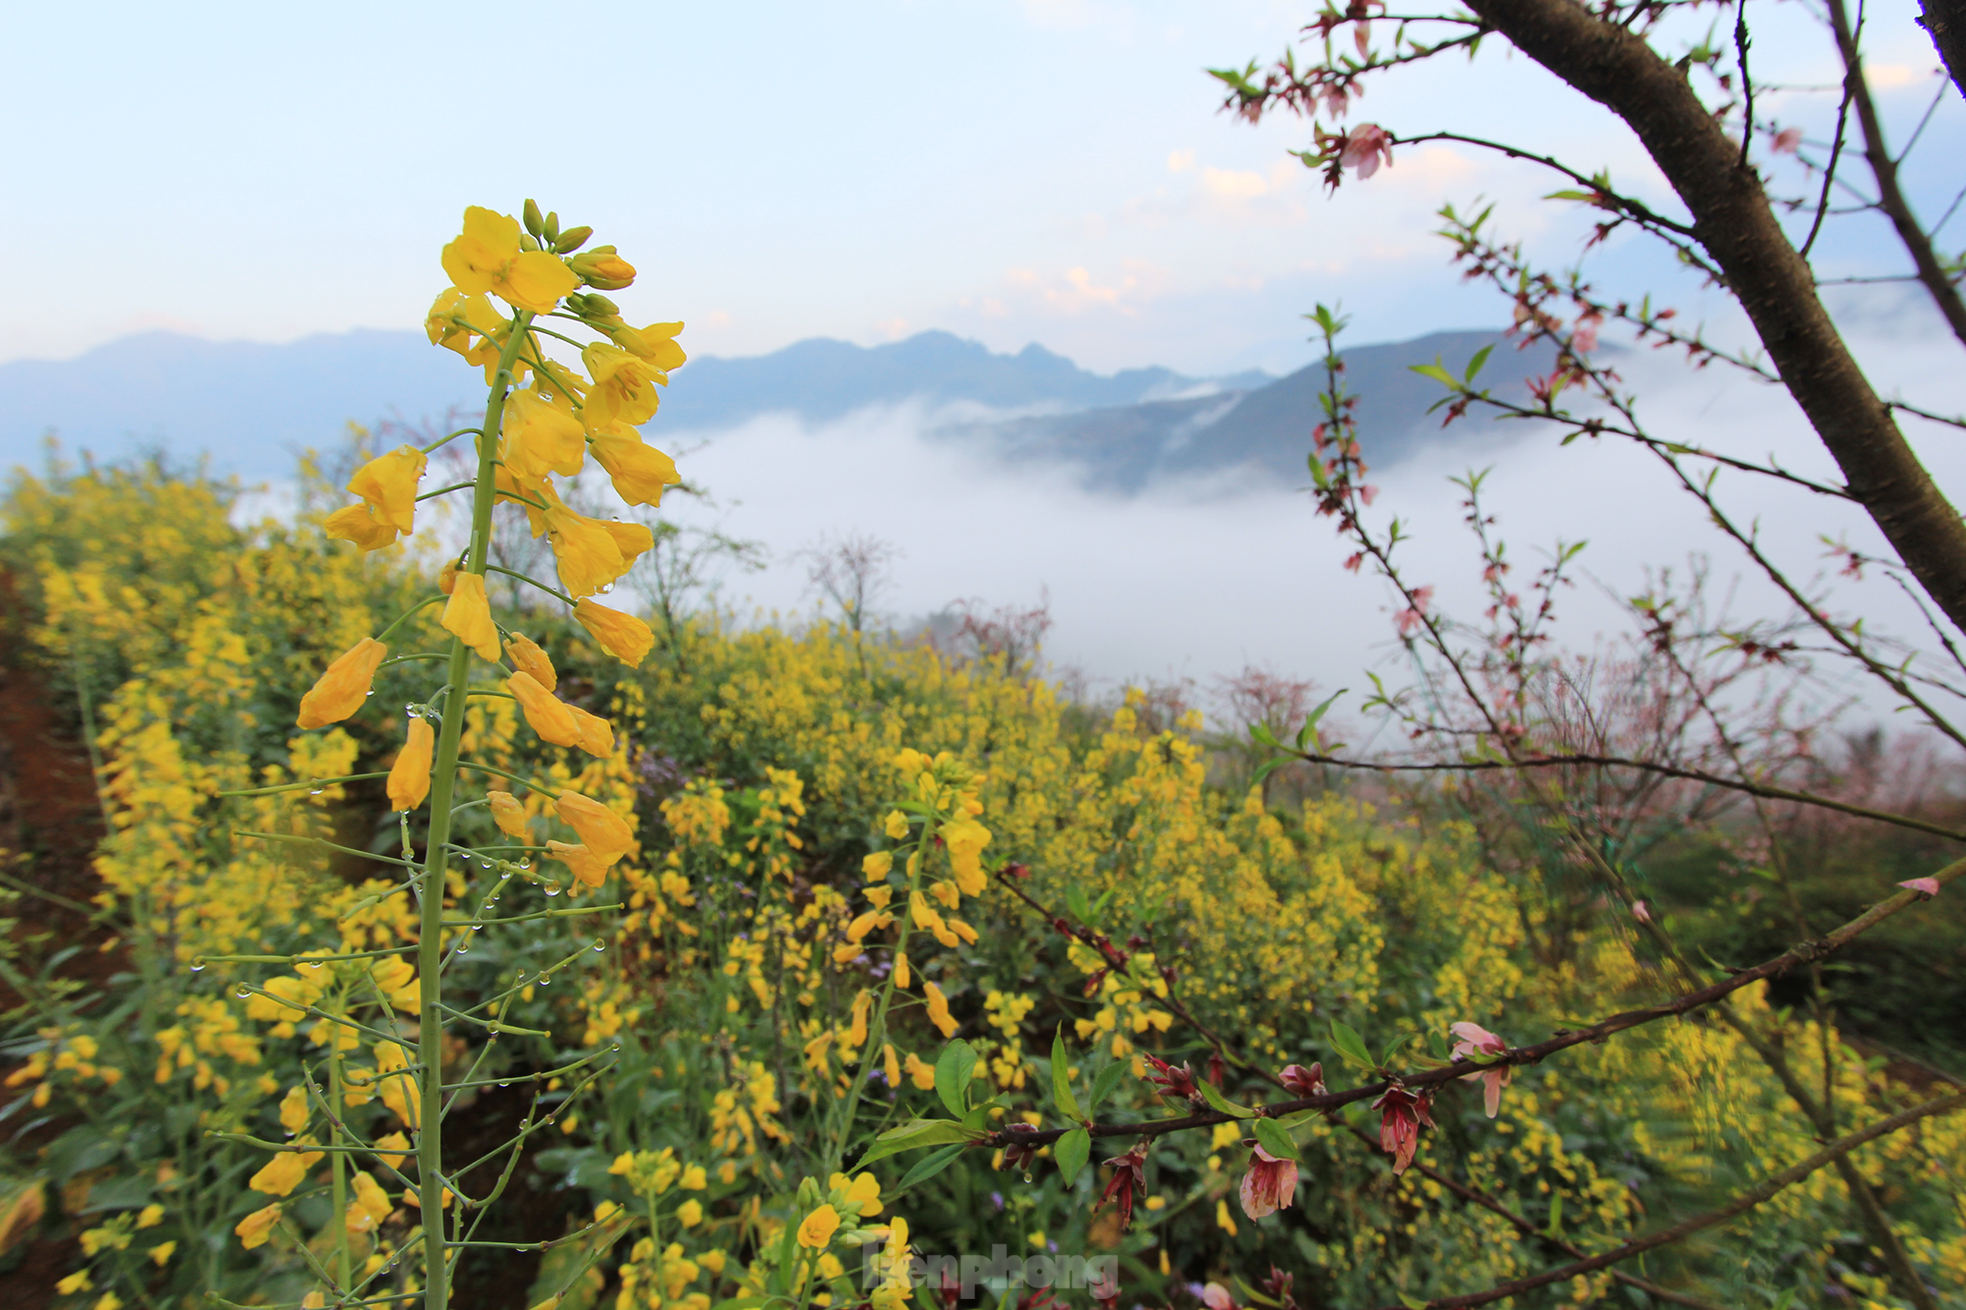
430, 929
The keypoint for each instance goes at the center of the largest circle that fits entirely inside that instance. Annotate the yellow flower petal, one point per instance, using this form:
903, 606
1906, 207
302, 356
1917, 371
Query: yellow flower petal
623, 636
467, 616
342, 689
545, 714
409, 777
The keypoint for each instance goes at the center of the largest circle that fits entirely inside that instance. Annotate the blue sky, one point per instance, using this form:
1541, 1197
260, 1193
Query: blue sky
1053, 170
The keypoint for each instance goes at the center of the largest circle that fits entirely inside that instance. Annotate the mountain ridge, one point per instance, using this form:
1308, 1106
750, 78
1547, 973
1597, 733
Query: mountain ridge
250, 407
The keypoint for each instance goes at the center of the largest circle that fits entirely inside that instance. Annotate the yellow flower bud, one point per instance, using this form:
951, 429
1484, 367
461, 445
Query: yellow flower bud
877, 866
938, 1010
602, 269
596, 733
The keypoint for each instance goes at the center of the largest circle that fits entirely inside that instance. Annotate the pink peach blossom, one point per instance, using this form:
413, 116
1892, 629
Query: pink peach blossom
1365, 145
1788, 140
1477, 1040
1923, 886
1269, 1186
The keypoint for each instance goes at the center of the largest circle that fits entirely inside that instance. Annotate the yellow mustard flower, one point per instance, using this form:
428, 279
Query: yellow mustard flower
540, 437
895, 825
690, 1213
342, 689
877, 866
966, 839
585, 865
467, 616
527, 657
78, 1282
596, 733
358, 523
392, 1150
638, 470
587, 553
623, 636
455, 316
388, 484
284, 1172
922, 1072
371, 1205
816, 1232
901, 977
694, 1179
487, 257
409, 776
160, 1254
863, 1191
508, 814
890, 1065
293, 1118
655, 343
397, 1088
152, 1215
938, 1009
624, 387
606, 833
545, 714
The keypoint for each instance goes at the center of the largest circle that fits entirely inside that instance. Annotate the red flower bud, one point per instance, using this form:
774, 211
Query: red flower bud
1304, 1082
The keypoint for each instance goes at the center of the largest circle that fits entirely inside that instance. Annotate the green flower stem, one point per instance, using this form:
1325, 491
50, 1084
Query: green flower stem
452, 437
443, 782
344, 1266
405, 659
302, 959
877, 1031
540, 1077
316, 841
407, 614
317, 782
444, 491
512, 573
536, 914
510, 777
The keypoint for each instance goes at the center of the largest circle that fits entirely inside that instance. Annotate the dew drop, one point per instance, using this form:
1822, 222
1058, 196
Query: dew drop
552, 889
600, 946
525, 864
615, 1046
1027, 1178
504, 1084
317, 791
506, 874
242, 991
197, 964
477, 927
463, 946
545, 980
552, 1119
369, 692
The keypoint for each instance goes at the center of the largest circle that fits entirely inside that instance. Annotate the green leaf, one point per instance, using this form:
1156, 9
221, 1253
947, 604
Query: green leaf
1102, 1086
1555, 1228
1075, 902
1569, 195
1071, 1153
1275, 1139
1350, 1046
1437, 373
912, 1135
1413, 1302
928, 1168
1217, 1101
1308, 733
1260, 734
1398, 1044
1061, 1073
1474, 365
1250, 1296
953, 1071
